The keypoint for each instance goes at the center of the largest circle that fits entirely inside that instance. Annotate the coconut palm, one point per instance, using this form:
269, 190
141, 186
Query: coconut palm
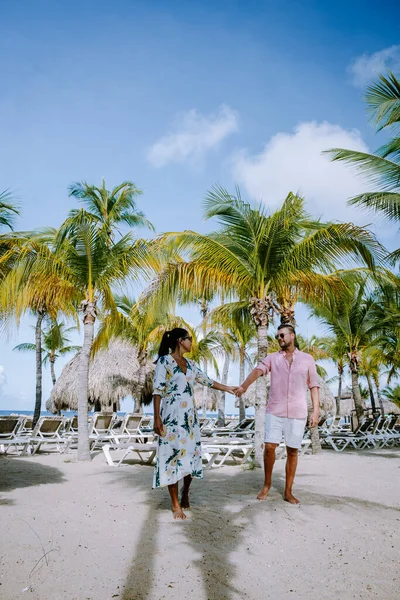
350, 318
392, 394
32, 287
336, 350
382, 169
256, 256
55, 344
241, 329
8, 211
108, 210
134, 322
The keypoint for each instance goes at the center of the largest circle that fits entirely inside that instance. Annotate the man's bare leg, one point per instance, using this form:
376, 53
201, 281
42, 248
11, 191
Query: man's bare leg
176, 507
185, 491
269, 461
291, 466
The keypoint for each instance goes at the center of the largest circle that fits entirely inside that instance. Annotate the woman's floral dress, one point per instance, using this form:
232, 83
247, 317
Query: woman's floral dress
179, 450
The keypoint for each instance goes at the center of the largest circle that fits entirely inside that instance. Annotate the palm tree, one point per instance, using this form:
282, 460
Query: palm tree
336, 351
392, 394
241, 329
255, 257
94, 266
31, 286
106, 209
135, 322
383, 167
350, 318
8, 211
55, 344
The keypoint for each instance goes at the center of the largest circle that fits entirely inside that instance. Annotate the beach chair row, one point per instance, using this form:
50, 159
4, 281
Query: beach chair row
372, 432
61, 434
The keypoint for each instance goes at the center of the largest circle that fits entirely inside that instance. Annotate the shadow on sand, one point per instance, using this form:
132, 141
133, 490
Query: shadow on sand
216, 528
19, 473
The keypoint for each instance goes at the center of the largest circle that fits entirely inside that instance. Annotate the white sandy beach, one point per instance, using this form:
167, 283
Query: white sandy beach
74, 531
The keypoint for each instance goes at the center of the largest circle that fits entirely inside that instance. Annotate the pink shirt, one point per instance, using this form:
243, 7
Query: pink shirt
287, 394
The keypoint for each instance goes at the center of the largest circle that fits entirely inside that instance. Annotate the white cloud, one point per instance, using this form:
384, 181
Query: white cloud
192, 136
294, 162
367, 66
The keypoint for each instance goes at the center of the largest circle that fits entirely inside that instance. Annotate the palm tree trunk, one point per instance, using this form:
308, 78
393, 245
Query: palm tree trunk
83, 382
371, 393
38, 342
52, 371
355, 386
339, 394
315, 440
141, 381
221, 397
261, 397
242, 406
378, 393
205, 394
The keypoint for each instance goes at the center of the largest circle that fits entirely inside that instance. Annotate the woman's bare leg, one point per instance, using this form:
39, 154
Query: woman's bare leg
185, 491
176, 507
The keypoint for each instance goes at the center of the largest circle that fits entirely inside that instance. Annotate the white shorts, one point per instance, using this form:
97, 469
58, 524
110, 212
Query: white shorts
292, 430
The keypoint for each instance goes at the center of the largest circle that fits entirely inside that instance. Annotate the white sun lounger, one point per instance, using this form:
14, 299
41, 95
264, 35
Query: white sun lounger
145, 452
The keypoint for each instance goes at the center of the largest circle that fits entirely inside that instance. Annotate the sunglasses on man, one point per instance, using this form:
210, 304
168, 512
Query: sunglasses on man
282, 335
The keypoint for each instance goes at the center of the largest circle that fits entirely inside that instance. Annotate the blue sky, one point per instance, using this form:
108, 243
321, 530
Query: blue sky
178, 96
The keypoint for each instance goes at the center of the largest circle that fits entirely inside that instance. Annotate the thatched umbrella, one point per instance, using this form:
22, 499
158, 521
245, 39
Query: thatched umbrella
390, 408
212, 397
113, 375
327, 399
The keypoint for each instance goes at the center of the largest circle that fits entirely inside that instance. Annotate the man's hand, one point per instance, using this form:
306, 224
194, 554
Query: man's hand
158, 426
239, 391
314, 419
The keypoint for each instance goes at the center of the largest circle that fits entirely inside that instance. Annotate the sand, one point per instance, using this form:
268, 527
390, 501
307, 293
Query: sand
79, 531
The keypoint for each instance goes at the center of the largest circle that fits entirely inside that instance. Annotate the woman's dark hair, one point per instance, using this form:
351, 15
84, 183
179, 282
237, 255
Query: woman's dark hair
170, 339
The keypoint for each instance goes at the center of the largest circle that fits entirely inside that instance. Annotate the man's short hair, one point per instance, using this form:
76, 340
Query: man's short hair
287, 326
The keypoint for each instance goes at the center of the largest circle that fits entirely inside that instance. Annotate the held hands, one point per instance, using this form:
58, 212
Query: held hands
232, 389
239, 391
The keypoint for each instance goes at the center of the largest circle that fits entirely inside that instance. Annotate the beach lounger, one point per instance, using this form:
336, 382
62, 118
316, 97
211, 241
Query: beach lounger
47, 431
146, 452
239, 453
10, 434
101, 429
358, 439
130, 430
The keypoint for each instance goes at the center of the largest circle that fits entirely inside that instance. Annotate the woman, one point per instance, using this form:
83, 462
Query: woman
175, 417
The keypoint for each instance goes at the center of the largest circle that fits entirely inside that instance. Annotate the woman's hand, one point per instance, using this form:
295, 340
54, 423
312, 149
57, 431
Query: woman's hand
232, 389
158, 426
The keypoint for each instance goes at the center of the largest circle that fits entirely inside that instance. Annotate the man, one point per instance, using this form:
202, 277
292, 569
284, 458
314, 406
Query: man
291, 372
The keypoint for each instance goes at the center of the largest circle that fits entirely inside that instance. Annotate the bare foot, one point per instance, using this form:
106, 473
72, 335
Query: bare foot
178, 513
263, 493
185, 499
290, 498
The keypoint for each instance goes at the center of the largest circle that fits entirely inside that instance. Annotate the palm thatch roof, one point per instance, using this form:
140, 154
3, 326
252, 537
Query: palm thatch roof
390, 408
113, 375
327, 399
212, 397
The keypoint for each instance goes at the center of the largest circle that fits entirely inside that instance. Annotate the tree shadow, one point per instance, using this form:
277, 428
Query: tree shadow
18, 473
224, 507
215, 527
